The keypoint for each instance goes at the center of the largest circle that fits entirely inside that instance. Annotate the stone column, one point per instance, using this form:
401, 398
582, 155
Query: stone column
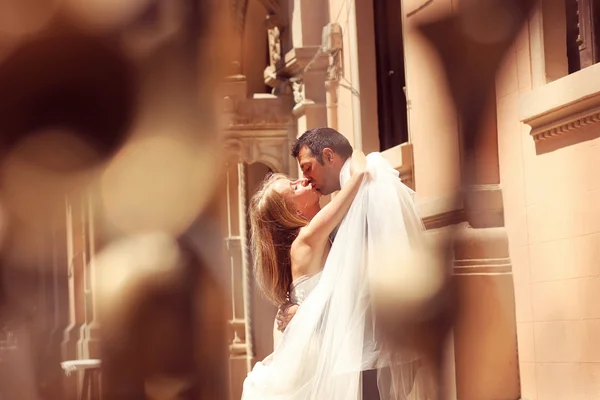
238, 9
91, 330
72, 345
84, 257
40, 336
56, 305
241, 359
304, 64
81, 336
75, 279
235, 84
308, 68
485, 338
245, 259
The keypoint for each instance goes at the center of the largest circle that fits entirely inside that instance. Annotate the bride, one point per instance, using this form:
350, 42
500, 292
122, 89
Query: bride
332, 337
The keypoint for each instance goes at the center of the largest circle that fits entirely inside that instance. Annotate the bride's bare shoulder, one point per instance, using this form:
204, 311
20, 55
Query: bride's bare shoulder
306, 256
300, 255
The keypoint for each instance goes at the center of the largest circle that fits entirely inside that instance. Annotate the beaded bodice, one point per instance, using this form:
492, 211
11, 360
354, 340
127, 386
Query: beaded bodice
302, 287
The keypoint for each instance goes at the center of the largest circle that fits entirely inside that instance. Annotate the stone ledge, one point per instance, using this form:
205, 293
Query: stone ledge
444, 219
480, 206
439, 212
302, 107
80, 365
295, 61
564, 105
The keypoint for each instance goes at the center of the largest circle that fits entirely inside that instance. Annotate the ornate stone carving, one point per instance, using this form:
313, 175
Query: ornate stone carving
335, 68
298, 90
274, 35
258, 130
265, 112
276, 24
565, 126
271, 151
564, 106
246, 265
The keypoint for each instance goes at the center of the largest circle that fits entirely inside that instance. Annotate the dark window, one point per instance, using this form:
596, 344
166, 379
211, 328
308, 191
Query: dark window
389, 52
583, 25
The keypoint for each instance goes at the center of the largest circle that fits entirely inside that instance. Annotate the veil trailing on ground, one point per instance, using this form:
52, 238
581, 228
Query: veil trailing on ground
333, 336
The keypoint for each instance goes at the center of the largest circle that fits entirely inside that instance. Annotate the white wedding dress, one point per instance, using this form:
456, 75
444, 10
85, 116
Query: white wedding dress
332, 337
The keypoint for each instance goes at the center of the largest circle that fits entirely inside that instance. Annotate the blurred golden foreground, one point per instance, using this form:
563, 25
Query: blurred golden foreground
129, 149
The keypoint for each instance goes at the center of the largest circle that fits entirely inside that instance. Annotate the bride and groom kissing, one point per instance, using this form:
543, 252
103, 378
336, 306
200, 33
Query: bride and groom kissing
320, 267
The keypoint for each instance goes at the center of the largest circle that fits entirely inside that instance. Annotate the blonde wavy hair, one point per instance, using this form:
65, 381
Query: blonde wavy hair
274, 225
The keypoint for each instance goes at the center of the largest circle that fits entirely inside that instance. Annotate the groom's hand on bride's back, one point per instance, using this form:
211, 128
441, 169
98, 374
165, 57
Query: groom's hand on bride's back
285, 313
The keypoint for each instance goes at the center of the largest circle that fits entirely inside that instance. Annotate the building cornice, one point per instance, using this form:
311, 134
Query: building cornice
563, 106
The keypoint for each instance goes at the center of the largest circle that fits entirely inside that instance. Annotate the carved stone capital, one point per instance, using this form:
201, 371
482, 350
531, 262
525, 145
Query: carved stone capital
299, 91
270, 149
274, 36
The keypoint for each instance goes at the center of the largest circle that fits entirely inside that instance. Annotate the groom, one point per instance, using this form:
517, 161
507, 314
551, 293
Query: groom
322, 154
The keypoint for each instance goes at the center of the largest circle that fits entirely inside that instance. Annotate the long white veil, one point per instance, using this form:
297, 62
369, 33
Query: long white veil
333, 336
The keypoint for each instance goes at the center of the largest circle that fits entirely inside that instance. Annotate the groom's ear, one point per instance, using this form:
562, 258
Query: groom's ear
328, 155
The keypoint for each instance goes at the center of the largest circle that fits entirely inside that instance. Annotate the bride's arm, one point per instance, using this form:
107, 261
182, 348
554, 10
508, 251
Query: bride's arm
321, 226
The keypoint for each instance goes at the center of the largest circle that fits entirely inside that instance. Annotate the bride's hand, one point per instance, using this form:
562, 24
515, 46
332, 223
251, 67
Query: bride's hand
284, 315
358, 164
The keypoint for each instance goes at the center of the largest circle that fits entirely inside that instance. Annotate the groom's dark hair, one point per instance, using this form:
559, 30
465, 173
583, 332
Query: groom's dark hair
317, 139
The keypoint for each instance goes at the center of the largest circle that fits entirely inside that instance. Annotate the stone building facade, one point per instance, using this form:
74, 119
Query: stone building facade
527, 225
